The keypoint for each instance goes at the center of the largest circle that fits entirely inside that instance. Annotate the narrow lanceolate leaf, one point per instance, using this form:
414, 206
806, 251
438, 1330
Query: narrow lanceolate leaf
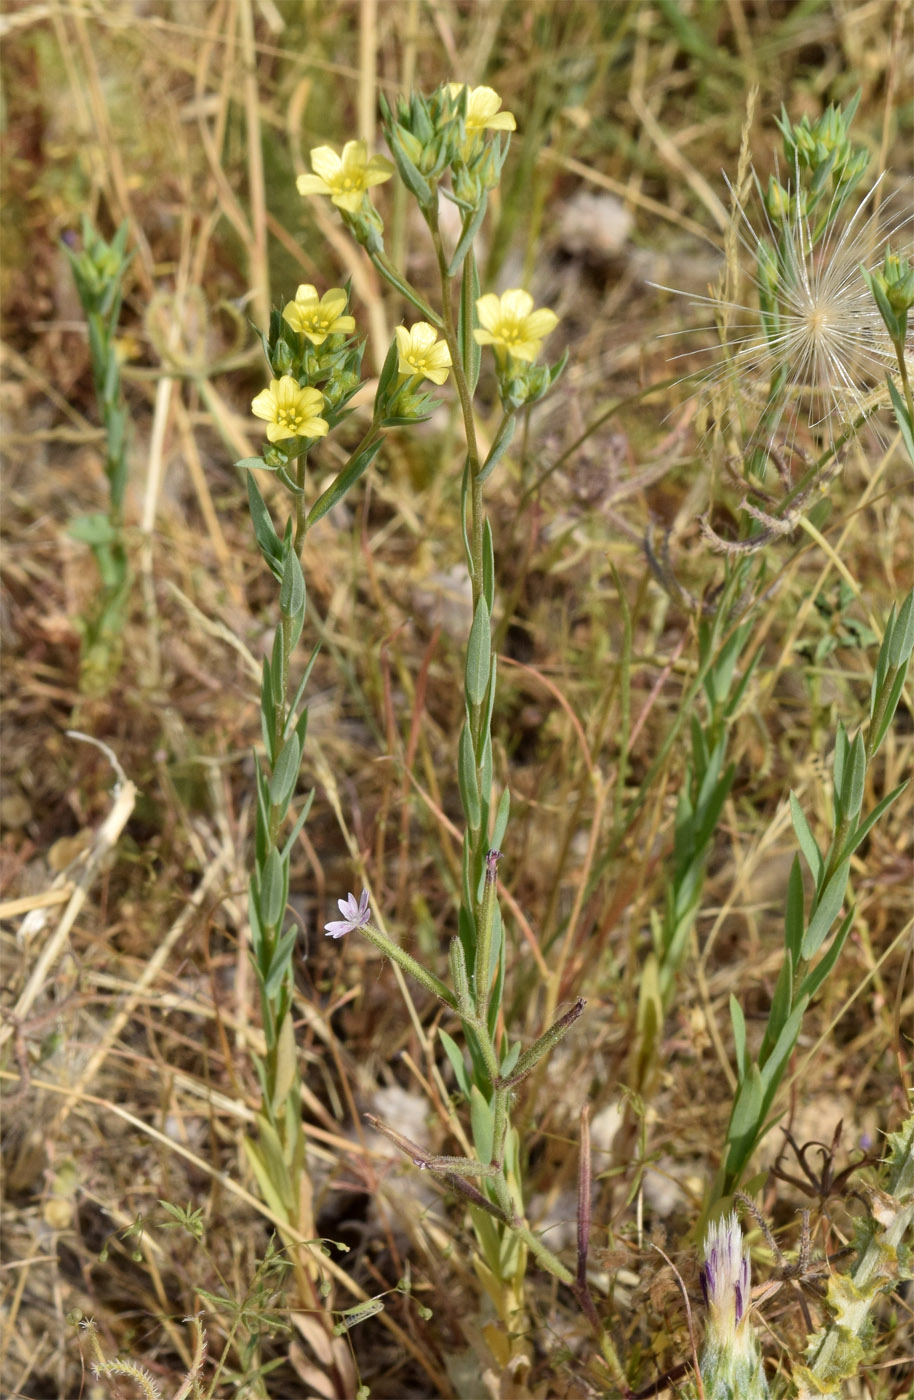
808, 844
466, 778
501, 818
869, 821
854, 779
292, 592
794, 913
344, 482
813, 981
479, 651
902, 643
905, 426
826, 912
268, 541
488, 566
285, 774
272, 890
738, 1022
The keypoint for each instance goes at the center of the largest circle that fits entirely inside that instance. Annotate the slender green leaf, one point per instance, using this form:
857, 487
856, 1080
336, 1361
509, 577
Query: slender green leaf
470, 228
747, 1108
854, 778
466, 778
285, 774
808, 844
499, 447
826, 911
794, 914
738, 1021
780, 1002
266, 710
772, 1069
488, 566
299, 823
479, 654
268, 542
457, 1062
253, 464
344, 482
869, 821
901, 644
483, 1124
902, 418
292, 591
280, 965
814, 979
272, 890
501, 818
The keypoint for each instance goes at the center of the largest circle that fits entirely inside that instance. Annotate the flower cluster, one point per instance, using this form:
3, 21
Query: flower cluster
731, 1363
315, 370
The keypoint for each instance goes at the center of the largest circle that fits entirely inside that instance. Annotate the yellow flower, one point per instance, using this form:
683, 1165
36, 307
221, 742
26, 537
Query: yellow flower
317, 317
482, 109
510, 323
421, 352
289, 410
345, 178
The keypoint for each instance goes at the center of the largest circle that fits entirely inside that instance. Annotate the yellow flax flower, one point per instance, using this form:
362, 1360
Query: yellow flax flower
290, 411
421, 352
510, 323
345, 178
482, 109
317, 317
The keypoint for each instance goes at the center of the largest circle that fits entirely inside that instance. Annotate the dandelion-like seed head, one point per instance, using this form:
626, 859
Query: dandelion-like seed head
808, 361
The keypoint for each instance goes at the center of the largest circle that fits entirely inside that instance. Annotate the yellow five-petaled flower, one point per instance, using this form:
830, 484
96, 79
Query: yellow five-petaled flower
510, 323
317, 317
290, 411
482, 109
345, 178
421, 352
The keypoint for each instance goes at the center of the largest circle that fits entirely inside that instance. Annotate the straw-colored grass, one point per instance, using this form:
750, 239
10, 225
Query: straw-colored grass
125, 1066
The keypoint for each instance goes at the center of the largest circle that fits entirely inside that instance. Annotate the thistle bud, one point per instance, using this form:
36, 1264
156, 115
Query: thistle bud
731, 1362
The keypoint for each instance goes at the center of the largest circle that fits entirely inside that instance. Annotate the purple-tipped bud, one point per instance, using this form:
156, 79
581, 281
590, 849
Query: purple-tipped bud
492, 860
725, 1272
731, 1362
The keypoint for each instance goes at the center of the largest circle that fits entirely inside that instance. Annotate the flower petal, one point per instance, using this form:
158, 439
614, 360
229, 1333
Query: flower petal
326, 163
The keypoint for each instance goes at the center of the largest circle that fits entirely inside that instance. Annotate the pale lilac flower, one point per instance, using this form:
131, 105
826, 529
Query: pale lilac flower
356, 914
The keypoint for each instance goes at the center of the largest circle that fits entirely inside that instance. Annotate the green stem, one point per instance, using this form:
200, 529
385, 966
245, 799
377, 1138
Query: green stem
905, 378
390, 274
398, 955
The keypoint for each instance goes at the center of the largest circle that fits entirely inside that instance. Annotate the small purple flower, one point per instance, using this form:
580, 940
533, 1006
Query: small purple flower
356, 914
